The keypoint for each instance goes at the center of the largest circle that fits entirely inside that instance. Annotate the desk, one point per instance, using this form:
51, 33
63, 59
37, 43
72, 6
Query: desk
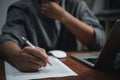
84, 72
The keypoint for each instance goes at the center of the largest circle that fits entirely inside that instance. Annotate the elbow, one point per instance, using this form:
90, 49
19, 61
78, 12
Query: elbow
98, 40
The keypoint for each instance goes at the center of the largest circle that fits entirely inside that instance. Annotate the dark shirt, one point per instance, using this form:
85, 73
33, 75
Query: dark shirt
25, 19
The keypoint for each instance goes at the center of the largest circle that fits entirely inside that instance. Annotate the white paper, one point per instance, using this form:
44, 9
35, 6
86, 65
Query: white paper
57, 69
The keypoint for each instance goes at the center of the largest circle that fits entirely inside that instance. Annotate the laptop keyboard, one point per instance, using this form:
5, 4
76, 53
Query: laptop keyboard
92, 60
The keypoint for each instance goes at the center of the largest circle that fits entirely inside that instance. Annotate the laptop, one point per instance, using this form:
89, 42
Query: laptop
109, 56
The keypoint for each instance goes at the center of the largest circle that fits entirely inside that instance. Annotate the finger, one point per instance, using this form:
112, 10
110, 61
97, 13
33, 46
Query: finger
37, 64
38, 53
30, 63
43, 8
45, 4
33, 51
44, 54
27, 62
23, 62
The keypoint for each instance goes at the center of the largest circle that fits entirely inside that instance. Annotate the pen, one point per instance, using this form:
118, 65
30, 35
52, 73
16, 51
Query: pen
30, 44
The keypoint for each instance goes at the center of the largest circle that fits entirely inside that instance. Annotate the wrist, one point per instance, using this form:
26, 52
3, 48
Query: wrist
64, 17
9, 49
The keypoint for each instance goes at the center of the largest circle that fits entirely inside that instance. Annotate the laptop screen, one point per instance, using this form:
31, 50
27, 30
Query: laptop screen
108, 56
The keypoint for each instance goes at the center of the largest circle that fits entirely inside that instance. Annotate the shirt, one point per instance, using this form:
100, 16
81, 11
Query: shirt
25, 19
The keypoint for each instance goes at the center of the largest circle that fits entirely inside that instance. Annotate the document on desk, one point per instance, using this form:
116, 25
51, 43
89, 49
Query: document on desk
57, 69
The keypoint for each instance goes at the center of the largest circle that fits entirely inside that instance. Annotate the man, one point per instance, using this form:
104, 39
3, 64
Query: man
48, 24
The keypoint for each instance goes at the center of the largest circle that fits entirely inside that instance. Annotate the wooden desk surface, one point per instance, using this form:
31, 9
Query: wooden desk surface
84, 72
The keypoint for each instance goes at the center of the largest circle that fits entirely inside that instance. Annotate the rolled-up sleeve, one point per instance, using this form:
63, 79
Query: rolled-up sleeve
14, 26
85, 15
98, 39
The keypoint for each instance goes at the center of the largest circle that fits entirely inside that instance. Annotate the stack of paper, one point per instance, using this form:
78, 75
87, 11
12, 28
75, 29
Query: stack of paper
57, 69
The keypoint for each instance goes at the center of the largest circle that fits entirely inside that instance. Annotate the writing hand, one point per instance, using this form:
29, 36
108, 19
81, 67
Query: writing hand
30, 59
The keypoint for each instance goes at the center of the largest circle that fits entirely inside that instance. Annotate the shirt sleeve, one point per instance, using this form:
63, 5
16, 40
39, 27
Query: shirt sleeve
87, 16
14, 26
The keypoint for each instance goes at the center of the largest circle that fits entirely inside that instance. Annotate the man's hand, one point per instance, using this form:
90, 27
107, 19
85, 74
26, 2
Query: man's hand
52, 10
30, 59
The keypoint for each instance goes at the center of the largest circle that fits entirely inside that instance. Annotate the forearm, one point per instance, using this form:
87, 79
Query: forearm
8, 49
82, 31
26, 59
